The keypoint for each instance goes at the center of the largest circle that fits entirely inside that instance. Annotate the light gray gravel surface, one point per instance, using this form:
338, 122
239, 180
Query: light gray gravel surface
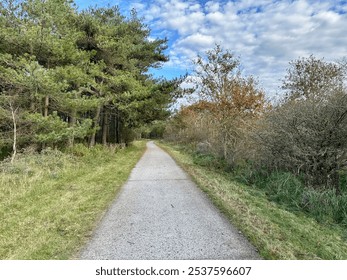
160, 214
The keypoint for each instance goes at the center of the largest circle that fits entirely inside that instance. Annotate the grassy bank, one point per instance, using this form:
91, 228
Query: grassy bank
276, 232
49, 203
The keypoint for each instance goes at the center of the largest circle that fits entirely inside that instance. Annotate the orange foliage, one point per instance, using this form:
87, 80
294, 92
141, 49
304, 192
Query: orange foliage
243, 101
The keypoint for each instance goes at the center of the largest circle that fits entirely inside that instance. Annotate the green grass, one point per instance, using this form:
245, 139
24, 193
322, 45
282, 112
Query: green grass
50, 203
274, 231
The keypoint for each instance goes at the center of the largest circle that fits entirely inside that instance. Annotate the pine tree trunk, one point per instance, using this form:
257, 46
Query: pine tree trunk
14, 147
72, 122
95, 124
105, 128
117, 128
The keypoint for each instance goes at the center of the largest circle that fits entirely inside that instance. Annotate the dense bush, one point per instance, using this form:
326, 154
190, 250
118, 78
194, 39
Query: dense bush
307, 135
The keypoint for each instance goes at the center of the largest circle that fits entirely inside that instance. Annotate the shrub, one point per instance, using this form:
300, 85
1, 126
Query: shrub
307, 137
307, 133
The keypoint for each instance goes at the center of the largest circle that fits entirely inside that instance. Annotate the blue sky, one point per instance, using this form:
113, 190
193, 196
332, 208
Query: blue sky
265, 34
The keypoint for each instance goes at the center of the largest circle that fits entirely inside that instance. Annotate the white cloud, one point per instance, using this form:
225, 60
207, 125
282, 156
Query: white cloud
212, 7
195, 7
197, 42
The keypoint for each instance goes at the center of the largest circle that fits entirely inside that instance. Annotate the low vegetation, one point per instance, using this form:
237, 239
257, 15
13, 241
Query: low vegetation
277, 232
50, 202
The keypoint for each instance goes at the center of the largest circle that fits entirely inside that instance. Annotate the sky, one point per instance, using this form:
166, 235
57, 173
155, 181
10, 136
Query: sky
266, 35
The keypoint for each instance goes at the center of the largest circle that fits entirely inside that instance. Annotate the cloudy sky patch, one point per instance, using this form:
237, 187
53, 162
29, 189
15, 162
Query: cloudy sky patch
265, 34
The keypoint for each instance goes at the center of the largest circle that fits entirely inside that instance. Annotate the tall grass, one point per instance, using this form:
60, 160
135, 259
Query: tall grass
287, 190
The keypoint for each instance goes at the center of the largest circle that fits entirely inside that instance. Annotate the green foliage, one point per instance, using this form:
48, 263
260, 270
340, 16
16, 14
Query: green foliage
155, 130
52, 130
49, 129
67, 73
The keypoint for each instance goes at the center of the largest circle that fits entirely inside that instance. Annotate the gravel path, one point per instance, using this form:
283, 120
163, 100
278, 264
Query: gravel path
160, 214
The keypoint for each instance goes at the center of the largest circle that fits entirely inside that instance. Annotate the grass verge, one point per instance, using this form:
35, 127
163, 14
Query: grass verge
275, 232
50, 203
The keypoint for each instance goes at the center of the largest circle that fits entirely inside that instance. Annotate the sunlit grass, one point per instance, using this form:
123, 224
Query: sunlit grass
49, 203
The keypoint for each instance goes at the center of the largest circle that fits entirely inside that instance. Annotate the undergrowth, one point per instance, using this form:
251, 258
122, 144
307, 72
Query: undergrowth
286, 189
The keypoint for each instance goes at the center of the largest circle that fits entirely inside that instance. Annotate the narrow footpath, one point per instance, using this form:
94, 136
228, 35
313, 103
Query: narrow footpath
160, 214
